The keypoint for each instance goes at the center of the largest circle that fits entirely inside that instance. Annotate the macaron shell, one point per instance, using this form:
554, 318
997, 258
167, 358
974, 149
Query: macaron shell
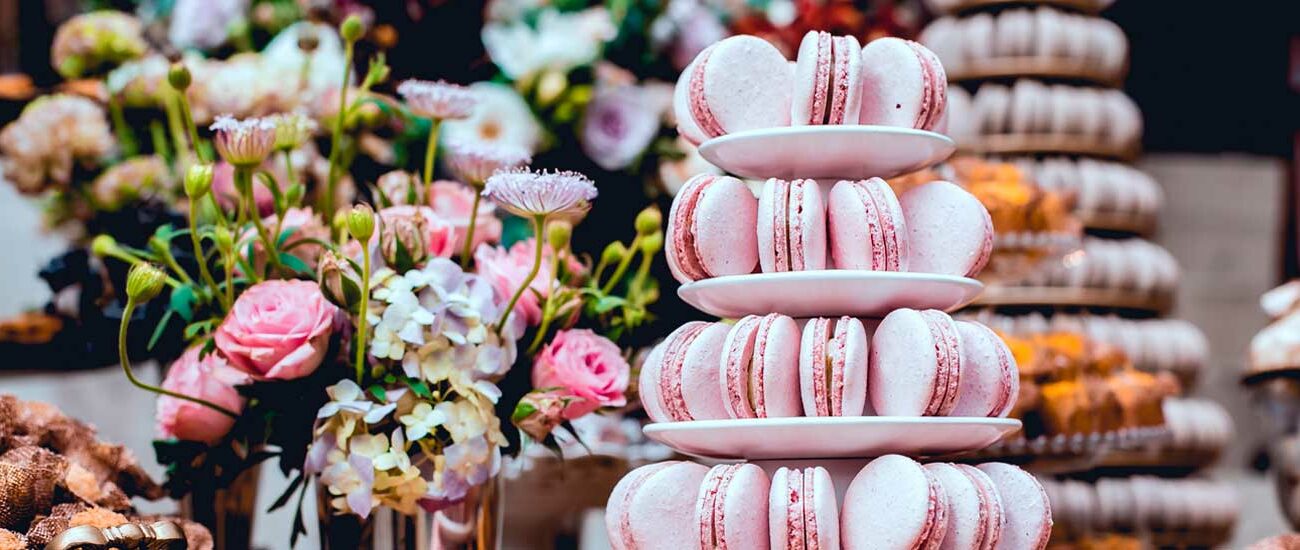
995, 518
1029, 516
658, 500
777, 354
701, 386
865, 227
791, 226
737, 356
785, 511
824, 519
711, 229
904, 368
812, 76
949, 231
739, 513
967, 509
617, 507
747, 84
846, 90
893, 504
648, 385
670, 381
686, 125
893, 83
845, 344
990, 380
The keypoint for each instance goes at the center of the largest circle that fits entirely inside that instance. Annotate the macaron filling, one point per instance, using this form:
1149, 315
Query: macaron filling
712, 506
781, 241
739, 354
794, 510
936, 517
757, 396
822, 366
704, 117
947, 349
836, 363
670, 382
685, 248
810, 511
887, 212
821, 80
875, 229
839, 83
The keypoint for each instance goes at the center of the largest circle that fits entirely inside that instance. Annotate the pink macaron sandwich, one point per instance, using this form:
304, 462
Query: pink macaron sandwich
827, 80
650, 497
679, 380
903, 84
974, 507
711, 229
990, 381
791, 226
948, 229
866, 227
740, 83
833, 367
916, 364
802, 513
1028, 515
729, 508
894, 504
760, 368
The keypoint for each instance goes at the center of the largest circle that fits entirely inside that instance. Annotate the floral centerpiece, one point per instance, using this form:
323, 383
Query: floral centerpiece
357, 334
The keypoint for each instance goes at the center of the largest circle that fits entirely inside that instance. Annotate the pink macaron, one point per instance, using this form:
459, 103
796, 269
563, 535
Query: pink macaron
802, 513
760, 368
990, 380
740, 83
866, 227
894, 504
791, 226
729, 509
949, 231
1028, 513
827, 80
679, 380
903, 84
974, 509
833, 367
711, 229
650, 497
916, 364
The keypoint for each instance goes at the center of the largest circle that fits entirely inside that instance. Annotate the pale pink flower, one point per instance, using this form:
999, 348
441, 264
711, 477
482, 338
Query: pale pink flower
223, 188
584, 364
617, 126
452, 201
305, 225
439, 100
277, 330
439, 235
210, 379
398, 186
526, 193
474, 162
245, 142
507, 269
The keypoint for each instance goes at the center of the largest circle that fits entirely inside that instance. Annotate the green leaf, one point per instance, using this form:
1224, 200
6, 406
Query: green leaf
351, 293
288, 494
284, 236
194, 329
157, 331
607, 303
295, 263
390, 379
182, 302
420, 388
522, 412
379, 392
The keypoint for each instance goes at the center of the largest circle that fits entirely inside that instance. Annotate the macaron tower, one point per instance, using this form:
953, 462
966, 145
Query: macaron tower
1040, 85
823, 421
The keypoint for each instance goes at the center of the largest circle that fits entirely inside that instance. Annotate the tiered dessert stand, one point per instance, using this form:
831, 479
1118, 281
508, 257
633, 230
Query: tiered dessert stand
842, 445
1095, 455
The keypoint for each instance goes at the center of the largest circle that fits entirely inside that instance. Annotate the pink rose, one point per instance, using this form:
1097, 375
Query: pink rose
506, 269
306, 226
223, 188
539, 412
584, 364
277, 330
453, 200
210, 379
439, 235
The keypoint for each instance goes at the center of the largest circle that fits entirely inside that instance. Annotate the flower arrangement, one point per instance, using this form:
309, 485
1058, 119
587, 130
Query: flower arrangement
355, 333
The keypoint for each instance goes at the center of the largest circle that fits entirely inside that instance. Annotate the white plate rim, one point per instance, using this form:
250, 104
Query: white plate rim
782, 131
803, 421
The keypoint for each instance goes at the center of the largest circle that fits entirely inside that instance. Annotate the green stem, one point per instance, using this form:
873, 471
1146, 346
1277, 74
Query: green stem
229, 260
178, 133
431, 151
288, 167
190, 128
539, 223
244, 182
166, 256
363, 310
622, 266
123, 131
547, 313
327, 202
130, 375
204, 274
469, 231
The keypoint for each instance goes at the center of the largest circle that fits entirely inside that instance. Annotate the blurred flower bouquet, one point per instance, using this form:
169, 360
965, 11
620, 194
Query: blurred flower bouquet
360, 341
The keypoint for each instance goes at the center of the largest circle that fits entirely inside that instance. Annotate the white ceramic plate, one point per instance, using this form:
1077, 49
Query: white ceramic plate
827, 152
828, 293
829, 437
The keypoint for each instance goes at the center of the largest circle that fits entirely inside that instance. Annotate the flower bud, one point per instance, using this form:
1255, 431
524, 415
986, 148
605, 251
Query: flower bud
403, 241
650, 244
649, 220
336, 281
224, 239
539, 412
340, 222
613, 253
351, 29
103, 245
558, 233
361, 222
144, 282
293, 195
179, 76
198, 180
159, 246
550, 85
